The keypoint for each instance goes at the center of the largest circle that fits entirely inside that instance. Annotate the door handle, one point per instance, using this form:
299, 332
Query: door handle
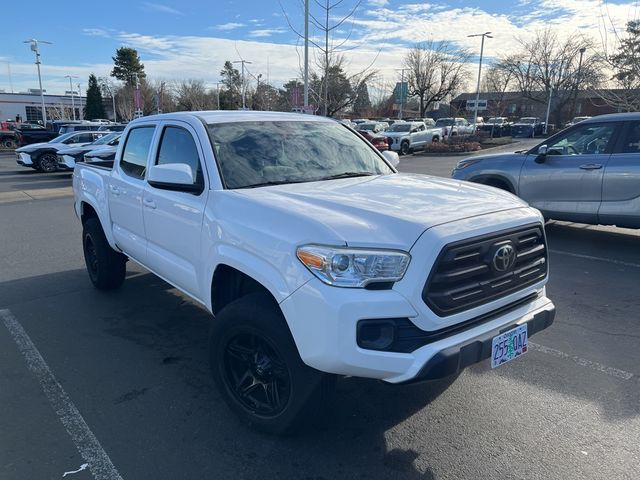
149, 203
114, 190
591, 166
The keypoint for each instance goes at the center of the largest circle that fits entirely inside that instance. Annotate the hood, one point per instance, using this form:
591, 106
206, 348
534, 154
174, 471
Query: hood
389, 211
100, 152
34, 146
395, 134
75, 150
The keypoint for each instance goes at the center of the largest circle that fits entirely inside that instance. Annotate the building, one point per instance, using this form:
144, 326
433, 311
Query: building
27, 107
514, 105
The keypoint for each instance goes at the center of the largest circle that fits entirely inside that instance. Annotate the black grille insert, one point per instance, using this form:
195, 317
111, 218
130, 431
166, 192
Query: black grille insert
466, 276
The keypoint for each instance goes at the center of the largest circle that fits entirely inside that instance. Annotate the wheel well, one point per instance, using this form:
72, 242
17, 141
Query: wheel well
87, 212
229, 284
496, 182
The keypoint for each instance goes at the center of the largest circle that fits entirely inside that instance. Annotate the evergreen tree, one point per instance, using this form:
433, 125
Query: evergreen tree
230, 96
626, 62
126, 64
362, 104
94, 107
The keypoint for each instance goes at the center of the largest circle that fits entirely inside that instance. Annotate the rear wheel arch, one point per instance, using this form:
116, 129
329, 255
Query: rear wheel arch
87, 212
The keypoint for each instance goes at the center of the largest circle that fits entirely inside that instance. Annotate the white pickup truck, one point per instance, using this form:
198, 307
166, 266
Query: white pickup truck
406, 137
314, 256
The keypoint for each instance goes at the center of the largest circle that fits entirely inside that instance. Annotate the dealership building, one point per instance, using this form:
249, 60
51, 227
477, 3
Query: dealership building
27, 107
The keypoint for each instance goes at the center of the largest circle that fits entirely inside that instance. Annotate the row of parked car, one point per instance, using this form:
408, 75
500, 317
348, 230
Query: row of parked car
64, 151
14, 134
406, 136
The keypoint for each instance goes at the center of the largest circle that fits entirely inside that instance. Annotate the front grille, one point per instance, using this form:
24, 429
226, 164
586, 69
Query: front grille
466, 276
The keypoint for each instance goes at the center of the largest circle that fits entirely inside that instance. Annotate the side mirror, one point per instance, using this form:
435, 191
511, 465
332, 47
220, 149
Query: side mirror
391, 157
542, 153
173, 176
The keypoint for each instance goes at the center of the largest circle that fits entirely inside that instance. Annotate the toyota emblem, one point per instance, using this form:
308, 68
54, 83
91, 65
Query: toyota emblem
504, 258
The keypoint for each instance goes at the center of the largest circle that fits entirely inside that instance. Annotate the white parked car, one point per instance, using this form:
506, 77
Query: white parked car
313, 255
409, 136
452, 127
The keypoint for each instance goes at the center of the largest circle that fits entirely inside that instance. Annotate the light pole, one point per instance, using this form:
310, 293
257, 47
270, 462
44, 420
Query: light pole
243, 86
401, 93
80, 102
73, 105
218, 93
575, 93
306, 55
475, 114
34, 48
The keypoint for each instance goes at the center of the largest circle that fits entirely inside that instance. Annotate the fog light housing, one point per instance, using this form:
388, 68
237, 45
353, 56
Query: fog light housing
376, 334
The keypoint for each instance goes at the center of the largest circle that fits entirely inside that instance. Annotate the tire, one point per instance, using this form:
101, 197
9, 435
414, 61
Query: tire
498, 184
404, 148
105, 266
258, 371
48, 162
435, 139
10, 143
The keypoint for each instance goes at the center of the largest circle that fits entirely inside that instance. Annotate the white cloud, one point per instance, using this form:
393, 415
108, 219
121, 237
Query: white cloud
96, 32
158, 7
267, 32
378, 3
228, 26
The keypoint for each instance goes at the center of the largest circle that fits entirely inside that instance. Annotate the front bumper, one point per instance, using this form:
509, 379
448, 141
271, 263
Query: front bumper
323, 321
24, 159
66, 162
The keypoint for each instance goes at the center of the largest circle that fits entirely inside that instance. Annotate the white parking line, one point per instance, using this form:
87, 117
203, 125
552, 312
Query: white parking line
84, 439
599, 259
614, 372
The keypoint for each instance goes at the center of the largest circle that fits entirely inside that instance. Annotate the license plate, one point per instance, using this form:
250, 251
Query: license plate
509, 345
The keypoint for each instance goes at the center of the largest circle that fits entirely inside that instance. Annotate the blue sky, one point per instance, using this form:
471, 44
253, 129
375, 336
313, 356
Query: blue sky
192, 38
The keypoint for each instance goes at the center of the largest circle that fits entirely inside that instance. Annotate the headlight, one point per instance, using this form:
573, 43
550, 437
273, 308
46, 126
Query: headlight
353, 267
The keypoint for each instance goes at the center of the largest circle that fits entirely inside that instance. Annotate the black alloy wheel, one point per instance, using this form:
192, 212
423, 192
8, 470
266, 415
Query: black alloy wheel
48, 162
404, 148
256, 374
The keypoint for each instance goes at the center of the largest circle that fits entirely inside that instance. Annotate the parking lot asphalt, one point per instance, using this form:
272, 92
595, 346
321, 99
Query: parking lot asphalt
122, 378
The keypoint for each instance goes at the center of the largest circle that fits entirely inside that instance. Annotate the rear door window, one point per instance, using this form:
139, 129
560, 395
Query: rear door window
136, 151
631, 142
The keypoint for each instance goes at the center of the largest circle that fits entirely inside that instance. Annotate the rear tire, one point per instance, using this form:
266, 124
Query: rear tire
105, 266
257, 368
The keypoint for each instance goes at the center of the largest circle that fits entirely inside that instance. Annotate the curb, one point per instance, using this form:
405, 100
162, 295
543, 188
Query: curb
460, 154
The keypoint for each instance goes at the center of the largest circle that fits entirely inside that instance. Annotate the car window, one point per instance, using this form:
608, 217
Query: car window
631, 143
136, 150
86, 138
585, 140
73, 138
177, 146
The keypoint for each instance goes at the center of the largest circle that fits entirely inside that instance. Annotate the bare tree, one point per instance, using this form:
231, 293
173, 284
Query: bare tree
326, 18
435, 70
548, 65
192, 95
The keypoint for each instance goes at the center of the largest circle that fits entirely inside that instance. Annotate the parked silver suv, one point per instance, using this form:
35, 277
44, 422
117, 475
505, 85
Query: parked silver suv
588, 173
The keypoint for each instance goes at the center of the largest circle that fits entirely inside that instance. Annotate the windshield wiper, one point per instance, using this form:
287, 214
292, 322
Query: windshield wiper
347, 175
273, 182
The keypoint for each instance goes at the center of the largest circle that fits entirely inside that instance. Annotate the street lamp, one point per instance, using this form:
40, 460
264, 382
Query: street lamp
575, 92
34, 48
483, 35
243, 86
73, 105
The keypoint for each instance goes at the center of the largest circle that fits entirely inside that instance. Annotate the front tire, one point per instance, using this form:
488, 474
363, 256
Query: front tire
47, 163
105, 266
257, 368
404, 148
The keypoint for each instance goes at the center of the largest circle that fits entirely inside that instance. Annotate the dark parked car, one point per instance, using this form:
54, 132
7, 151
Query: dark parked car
527, 127
497, 126
29, 133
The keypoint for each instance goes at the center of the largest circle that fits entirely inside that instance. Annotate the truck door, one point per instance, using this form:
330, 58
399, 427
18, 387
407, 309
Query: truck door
621, 184
125, 193
173, 218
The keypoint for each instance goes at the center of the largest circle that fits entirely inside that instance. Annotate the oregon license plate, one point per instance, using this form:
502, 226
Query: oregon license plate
509, 345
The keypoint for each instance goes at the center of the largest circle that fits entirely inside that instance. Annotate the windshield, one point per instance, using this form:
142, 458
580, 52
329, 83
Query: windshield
399, 127
445, 122
105, 140
527, 120
367, 126
62, 137
251, 154
495, 120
